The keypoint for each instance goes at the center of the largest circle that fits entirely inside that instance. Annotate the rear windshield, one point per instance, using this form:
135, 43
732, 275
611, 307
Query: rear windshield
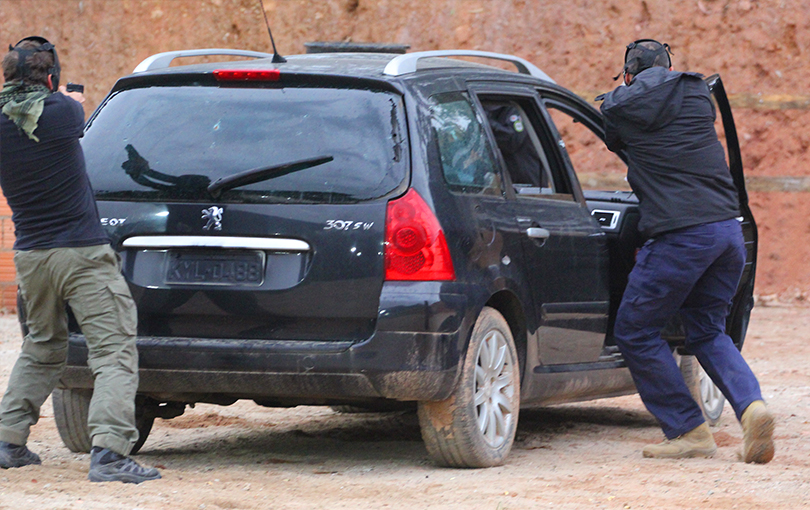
318, 145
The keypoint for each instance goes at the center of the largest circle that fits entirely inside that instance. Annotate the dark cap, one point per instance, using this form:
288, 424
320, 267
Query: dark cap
644, 54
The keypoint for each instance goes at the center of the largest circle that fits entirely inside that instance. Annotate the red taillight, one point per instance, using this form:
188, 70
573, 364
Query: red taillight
247, 74
415, 247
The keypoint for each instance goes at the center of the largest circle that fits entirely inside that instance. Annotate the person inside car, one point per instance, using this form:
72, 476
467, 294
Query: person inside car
519, 154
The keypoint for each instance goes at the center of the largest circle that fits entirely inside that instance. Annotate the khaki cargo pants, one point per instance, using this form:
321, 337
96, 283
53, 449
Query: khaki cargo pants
90, 281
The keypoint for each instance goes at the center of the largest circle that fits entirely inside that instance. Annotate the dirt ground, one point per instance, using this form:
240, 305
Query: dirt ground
575, 456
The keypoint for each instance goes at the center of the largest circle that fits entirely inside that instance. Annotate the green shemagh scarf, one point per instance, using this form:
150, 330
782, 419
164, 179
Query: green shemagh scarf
23, 104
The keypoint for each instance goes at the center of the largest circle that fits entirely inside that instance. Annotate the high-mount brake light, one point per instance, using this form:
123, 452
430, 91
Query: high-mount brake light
415, 246
247, 74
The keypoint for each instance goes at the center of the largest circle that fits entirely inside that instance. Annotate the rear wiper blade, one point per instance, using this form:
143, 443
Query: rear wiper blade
262, 174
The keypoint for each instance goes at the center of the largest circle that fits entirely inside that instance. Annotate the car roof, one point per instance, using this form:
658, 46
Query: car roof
360, 65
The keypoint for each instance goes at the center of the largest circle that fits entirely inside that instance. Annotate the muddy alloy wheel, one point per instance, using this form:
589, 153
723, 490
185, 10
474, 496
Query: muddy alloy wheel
476, 426
704, 391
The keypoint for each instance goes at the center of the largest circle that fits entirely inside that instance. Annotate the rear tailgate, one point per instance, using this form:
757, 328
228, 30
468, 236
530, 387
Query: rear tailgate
291, 250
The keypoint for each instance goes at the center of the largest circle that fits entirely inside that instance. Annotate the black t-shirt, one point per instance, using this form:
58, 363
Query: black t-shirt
45, 182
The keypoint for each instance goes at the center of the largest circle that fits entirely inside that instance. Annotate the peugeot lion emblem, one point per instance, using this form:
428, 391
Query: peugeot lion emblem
213, 215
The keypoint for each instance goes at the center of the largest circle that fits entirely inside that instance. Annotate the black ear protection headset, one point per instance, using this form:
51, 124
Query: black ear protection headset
645, 59
24, 71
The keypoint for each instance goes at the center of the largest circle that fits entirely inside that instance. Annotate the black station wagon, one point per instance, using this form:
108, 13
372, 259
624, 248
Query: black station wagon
371, 231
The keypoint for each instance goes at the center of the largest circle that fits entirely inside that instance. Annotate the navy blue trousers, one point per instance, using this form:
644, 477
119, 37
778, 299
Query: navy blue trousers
696, 271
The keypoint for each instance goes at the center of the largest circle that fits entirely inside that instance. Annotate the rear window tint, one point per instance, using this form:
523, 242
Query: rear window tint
171, 143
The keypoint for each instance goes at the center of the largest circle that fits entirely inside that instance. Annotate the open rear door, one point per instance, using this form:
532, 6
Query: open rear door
744, 299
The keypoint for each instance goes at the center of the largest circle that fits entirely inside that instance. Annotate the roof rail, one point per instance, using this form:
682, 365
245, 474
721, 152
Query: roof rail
406, 64
163, 60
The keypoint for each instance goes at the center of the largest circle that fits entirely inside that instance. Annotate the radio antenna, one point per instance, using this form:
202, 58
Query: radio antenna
277, 59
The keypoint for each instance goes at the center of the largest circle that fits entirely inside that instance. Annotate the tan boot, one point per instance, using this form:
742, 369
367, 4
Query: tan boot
757, 423
698, 442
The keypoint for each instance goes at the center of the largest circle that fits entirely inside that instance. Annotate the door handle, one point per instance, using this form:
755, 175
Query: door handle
538, 233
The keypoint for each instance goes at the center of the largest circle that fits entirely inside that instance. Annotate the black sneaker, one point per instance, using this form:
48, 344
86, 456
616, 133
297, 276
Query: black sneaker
13, 456
108, 466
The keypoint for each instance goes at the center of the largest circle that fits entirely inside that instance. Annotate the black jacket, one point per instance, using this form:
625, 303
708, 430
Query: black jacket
664, 120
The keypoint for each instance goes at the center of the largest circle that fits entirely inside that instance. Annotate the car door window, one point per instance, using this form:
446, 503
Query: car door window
523, 143
466, 157
596, 166
518, 144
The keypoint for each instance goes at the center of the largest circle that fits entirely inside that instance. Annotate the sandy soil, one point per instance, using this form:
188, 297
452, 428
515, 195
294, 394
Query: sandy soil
575, 456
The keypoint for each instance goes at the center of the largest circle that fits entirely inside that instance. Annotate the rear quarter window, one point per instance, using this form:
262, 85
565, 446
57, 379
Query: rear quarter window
466, 156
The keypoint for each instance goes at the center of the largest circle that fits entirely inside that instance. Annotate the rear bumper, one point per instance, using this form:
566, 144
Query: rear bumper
414, 354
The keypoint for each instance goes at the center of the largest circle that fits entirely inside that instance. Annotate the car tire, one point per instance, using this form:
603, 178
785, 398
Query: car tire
71, 408
144, 420
703, 390
475, 427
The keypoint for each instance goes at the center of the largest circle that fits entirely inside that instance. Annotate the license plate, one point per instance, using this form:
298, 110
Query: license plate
216, 267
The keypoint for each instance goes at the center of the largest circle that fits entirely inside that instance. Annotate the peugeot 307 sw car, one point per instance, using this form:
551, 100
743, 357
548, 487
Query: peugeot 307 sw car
370, 231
